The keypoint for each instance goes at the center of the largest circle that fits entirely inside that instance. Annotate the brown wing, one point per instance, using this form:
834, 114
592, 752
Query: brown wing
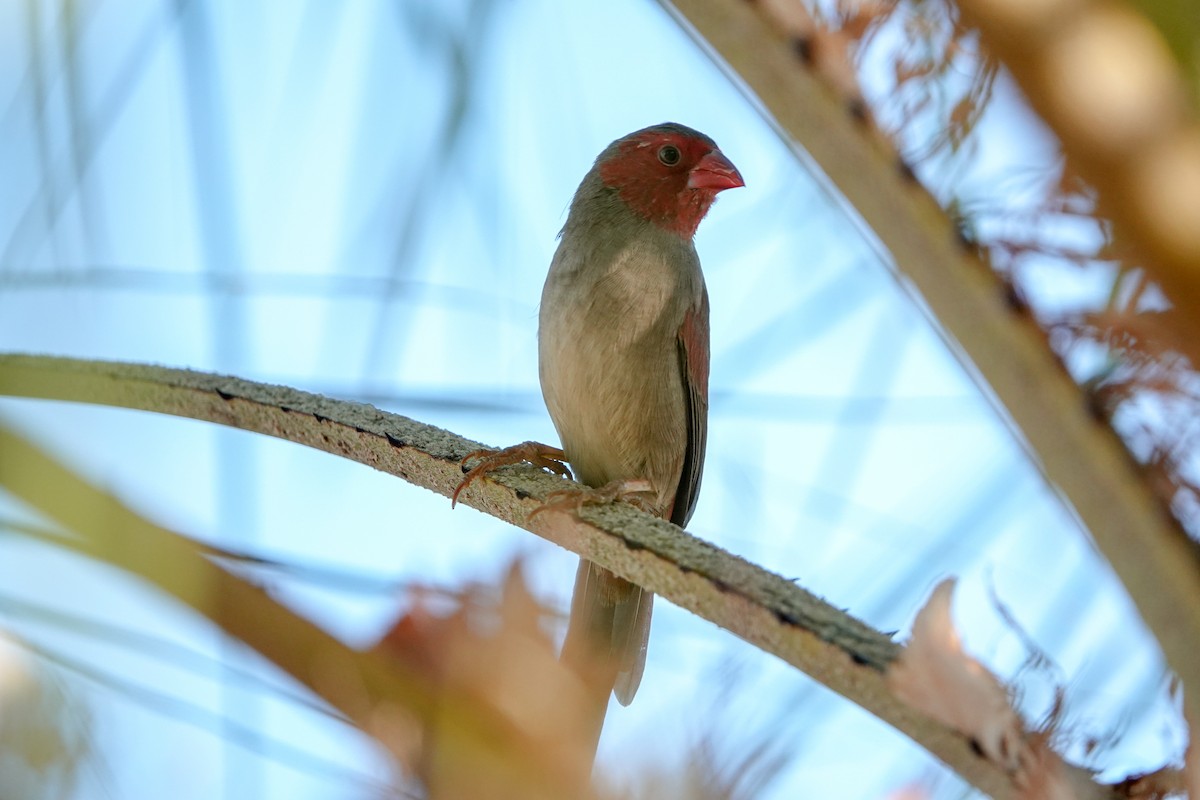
693, 367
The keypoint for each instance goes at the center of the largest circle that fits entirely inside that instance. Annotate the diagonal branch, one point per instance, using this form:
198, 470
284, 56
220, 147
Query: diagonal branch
763, 608
1079, 455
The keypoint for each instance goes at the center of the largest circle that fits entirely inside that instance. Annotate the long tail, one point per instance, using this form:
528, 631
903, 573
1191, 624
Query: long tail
606, 638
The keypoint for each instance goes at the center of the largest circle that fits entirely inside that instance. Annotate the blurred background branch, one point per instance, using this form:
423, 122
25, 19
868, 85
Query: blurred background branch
1113, 496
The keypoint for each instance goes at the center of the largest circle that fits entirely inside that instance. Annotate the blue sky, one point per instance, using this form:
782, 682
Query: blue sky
361, 199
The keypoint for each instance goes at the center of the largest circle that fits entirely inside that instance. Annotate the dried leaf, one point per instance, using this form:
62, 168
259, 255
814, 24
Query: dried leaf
935, 676
1043, 776
857, 16
905, 71
962, 118
46, 730
1153, 335
496, 656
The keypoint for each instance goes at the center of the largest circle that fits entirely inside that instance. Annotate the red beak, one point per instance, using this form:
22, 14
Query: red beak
715, 172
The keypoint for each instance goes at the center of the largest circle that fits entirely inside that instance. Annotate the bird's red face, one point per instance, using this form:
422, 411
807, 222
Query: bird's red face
669, 177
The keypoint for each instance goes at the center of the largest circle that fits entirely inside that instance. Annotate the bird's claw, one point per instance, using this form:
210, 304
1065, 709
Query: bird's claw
535, 453
638, 492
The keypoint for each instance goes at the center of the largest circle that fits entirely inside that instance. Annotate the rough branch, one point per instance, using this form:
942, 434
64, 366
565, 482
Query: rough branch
763, 608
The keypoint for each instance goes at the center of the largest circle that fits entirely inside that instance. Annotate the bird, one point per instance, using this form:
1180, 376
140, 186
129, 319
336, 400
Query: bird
623, 360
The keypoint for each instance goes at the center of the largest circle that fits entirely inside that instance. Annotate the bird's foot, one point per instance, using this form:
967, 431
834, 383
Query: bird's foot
535, 453
638, 492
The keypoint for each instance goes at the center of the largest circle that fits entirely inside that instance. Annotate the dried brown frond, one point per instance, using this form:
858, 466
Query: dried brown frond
494, 651
1044, 776
936, 676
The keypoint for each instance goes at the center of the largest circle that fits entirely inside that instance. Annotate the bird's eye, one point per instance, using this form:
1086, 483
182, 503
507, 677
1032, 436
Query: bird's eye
668, 154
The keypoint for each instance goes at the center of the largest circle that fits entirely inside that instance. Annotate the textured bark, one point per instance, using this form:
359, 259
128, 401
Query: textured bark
762, 608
